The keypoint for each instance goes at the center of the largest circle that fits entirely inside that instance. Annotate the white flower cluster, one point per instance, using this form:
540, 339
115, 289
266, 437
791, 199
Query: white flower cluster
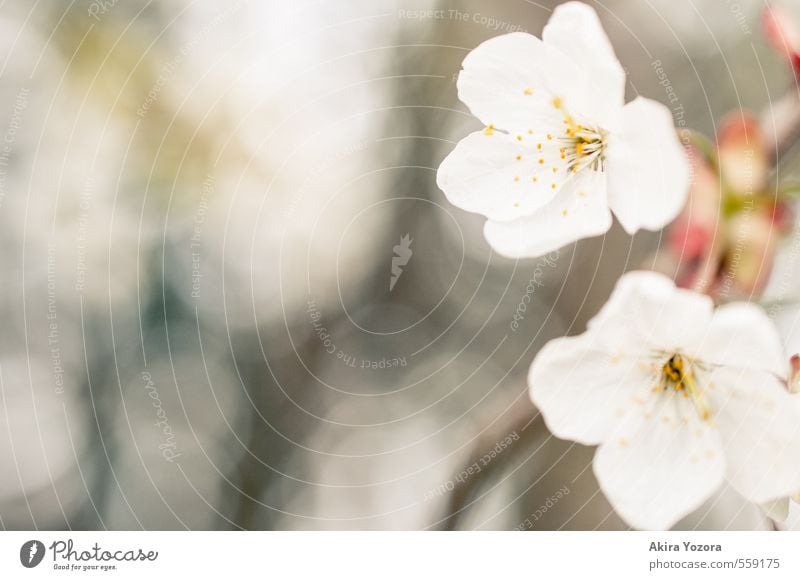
679, 397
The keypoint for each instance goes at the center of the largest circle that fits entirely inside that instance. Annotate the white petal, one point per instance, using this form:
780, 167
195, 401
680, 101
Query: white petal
759, 423
726, 509
579, 210
647, 310
633, 286
777, 509
647, 167
793, 519
582, 391
661, 466
742, 335
510, 81
576, 31
501, 177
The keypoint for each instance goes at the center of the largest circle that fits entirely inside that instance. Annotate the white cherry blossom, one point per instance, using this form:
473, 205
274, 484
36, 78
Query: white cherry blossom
678, 396
560, 145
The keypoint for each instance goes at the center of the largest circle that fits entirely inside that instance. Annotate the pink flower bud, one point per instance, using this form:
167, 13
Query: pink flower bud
783, 33
794, 374
693, 231
743, 159
750, 254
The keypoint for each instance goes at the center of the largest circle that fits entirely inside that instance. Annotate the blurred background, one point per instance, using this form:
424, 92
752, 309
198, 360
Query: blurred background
201, 204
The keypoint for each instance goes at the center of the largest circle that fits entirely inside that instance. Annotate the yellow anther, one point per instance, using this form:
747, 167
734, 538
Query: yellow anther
489, 130
682, 380
673, 370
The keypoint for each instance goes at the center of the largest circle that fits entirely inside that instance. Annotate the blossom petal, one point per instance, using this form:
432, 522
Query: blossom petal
582, 390
579, 210
576, 31
726, 509
510, 81
661, 464
759, 423
648, 170
777, 509
501, 177
647, 311
741, 335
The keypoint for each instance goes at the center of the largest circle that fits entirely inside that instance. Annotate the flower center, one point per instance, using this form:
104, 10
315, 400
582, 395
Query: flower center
676, 374
673, 372
582, 145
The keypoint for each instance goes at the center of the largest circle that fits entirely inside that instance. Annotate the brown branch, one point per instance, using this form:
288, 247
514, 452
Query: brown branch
525, 421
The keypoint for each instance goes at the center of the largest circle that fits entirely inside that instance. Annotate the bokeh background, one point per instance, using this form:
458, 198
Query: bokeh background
199, 206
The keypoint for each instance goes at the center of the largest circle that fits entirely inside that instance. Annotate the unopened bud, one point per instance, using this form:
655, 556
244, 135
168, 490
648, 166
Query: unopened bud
794, 374
783, 33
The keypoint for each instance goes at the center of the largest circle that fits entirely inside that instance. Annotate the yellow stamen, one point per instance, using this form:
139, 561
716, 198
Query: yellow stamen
699, 399
674, 370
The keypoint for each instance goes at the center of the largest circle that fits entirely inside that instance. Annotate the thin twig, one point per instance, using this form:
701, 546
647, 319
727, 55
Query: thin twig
527, 422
